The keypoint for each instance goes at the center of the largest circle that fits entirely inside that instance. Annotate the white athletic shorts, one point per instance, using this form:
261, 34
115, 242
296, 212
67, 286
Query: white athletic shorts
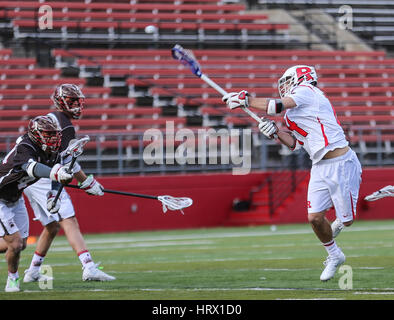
37, 196
335, 182
14, 218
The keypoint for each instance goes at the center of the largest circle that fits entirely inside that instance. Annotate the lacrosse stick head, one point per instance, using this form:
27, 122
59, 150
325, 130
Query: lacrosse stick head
173, 203
75, 148
187, 58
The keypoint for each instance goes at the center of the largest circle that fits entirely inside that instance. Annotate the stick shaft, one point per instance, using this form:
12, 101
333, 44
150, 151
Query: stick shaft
122, 193
62, 186
223, 92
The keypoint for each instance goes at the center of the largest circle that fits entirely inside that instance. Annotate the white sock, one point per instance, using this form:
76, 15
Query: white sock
85, 258
36, 261
332, 248
13, 276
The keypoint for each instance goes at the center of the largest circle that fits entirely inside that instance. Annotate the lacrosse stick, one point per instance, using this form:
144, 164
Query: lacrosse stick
75, 149
387, 191
187, 58
168, 202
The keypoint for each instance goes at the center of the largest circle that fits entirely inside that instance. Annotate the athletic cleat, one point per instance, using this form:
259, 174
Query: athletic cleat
34, 276
387, 191
95, 274
12, 285
332, 263
337, 227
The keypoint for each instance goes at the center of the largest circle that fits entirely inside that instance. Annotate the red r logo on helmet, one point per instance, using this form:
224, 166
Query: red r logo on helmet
304, 71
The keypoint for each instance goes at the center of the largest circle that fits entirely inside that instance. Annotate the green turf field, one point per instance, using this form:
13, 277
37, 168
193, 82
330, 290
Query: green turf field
251, 263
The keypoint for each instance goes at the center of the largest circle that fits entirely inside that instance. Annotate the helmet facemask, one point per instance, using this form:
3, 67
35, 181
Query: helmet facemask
285, 85
45, 133
70, 99
74, 106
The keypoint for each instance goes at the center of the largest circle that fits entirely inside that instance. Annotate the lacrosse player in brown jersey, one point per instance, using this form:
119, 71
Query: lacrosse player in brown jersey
69, 102
35, 156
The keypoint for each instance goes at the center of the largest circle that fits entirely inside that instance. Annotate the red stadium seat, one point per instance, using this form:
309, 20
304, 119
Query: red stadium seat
47, 92
41, 82
127, 6
30, 72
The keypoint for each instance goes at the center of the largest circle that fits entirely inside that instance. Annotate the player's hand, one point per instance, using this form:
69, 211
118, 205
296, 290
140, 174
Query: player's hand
268, 128
51, 205
92, 186
237, 99
61, 174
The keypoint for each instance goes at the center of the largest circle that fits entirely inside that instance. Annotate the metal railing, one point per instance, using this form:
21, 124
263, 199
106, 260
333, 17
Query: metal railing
134, 153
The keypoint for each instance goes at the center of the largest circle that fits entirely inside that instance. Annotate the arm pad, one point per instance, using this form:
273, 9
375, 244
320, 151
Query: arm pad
36, 170
275, 107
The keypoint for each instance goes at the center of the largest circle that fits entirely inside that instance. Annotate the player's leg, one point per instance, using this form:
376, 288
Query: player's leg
15, 246
3, 245
14, 229
319, 201
344, 192
77, 242
44, 242
36, 194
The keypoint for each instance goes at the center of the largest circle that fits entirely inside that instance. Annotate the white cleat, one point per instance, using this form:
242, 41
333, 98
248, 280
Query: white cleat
387, 191
12, 285
332, 263
35, 276
95, 274
337, 227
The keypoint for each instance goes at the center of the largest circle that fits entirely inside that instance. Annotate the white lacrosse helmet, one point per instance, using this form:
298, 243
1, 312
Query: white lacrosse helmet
294, 76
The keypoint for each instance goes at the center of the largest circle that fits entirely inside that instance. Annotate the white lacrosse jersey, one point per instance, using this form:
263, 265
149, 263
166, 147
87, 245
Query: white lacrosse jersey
313, 122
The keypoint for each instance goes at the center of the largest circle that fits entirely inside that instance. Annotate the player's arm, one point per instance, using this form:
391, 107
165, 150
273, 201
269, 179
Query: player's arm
270, 105
58, 173
87, 183
270, 130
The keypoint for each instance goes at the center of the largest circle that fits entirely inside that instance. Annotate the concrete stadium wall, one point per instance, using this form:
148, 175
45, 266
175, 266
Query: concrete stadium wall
213, 196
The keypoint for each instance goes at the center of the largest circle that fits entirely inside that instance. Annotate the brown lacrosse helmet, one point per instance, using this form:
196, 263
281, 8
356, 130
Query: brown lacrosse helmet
45, 133
70, 99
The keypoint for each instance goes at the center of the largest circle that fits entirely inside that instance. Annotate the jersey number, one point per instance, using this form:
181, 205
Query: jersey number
294, 127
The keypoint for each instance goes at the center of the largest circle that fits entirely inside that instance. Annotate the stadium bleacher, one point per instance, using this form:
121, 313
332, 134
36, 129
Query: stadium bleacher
370, 20
132, 83
359, 85
106, 21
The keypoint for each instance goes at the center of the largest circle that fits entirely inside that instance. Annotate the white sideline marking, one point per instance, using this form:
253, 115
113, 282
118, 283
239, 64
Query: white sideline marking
216, 235
284, 269
236, 289
369, 292
139, 245
310, 299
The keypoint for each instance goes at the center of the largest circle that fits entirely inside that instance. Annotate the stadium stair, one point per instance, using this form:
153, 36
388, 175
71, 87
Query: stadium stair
262, 208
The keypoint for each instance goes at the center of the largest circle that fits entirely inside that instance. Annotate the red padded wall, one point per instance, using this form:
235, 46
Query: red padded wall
213, 195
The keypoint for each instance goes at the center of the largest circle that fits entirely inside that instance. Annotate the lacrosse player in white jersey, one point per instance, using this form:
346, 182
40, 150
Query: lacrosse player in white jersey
336, 171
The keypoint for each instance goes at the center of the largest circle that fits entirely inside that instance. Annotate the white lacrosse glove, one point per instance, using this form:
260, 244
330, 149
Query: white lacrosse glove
92, 186
236, 99
268, 128
51, 205
61, 174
